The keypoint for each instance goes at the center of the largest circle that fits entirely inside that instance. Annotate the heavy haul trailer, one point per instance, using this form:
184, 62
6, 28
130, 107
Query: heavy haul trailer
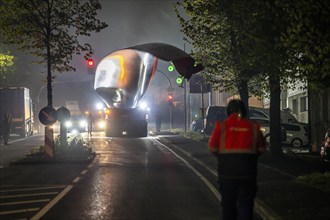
17, 102
122, 78
131, 122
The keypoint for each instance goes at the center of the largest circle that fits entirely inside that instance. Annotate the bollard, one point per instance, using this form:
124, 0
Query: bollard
49, 142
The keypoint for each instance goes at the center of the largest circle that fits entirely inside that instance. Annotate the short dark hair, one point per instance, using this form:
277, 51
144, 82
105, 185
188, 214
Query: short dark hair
236, 106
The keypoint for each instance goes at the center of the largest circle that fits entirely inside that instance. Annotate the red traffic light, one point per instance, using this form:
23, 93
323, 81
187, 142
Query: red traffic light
90, 62
170, 98
90, 67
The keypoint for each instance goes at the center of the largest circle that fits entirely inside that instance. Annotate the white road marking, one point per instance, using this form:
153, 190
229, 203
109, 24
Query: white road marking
25, 202
31, 194
260, 207
33, 188
197, 173
52, 203
76, 180
19, 211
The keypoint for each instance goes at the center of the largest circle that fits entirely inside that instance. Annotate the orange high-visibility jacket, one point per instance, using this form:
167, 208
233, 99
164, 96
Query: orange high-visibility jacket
237, 142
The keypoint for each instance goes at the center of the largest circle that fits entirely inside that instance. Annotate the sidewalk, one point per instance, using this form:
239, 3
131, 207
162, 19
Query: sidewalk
280, 195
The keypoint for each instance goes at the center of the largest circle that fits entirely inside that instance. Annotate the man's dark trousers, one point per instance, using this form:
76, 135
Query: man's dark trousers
237, 198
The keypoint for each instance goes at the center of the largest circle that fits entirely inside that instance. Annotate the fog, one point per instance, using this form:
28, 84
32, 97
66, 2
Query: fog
130, 23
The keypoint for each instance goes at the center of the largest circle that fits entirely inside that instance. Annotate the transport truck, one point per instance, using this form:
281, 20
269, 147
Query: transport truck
17, 102
122, 78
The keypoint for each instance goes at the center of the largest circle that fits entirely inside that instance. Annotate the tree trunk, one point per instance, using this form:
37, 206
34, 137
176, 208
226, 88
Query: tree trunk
49, 64
244, 94
275, 117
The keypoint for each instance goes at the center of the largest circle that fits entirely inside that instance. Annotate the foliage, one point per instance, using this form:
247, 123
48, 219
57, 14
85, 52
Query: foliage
75, 148
50, 30
319, 180
237, 42
215, 38
6, 65
310, 40
232, 39
190, 134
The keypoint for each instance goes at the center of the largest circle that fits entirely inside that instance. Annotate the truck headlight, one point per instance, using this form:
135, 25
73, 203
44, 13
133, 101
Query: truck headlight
101, 124
83, 123
68, 124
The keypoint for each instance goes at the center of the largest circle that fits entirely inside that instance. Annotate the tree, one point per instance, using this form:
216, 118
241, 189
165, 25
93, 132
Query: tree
6, 66
310, 40
214, 32
238, 42
50, 30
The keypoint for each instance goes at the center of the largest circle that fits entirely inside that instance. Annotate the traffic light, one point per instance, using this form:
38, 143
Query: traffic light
170, 98
171, 68
90, 62
90, 66
179, 80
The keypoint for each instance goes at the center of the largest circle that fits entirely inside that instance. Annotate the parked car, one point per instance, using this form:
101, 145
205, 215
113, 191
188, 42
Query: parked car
197, 125
219, 113
258, 113
213, 114
265, 129
297, 134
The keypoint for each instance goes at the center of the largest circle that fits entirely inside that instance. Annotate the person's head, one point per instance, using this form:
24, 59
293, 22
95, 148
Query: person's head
236, 106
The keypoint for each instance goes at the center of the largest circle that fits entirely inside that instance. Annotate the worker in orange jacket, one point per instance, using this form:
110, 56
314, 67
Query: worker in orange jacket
237, 142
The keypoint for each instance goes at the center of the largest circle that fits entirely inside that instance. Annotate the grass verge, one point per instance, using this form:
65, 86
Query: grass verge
318, 180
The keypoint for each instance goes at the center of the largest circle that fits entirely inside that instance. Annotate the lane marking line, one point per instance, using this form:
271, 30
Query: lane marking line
19, 211
52, 203
260, 207
31, 189
24, 202
277, 170
31, 194
213, 189
76, 180
214, 172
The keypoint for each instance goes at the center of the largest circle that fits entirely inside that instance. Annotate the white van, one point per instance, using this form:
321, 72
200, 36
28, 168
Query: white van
297, 134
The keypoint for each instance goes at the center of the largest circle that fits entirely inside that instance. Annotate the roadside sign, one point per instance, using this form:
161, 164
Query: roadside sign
62, 114
47, 115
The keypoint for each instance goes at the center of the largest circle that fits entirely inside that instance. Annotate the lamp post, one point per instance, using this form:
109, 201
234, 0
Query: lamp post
170, 88
170, 91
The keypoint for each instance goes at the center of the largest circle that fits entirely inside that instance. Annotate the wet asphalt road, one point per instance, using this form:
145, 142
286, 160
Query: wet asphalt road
130, 178
136, 179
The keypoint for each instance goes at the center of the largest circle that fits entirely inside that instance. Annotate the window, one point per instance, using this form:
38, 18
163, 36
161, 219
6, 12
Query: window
294, 106
303, 104
290, 127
